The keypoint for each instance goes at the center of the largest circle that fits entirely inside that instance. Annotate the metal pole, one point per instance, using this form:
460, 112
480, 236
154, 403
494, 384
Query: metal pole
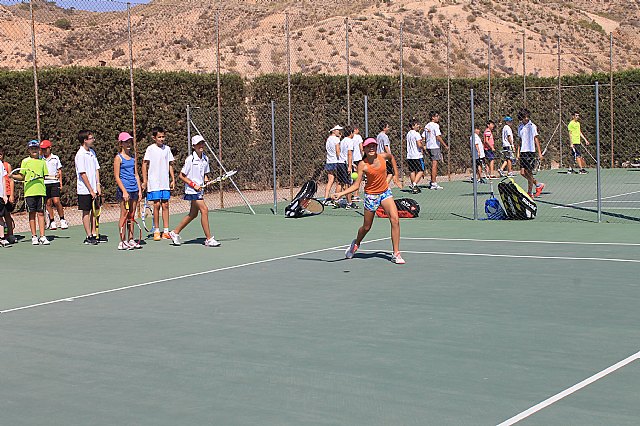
289, 101
473, 150
35, 69
346, 25
449, 101
611, 94
132, 84
273, 157
219, 102
189, 128
489, 71
366, 116
401, 100
598, 185
559, 103
524, 69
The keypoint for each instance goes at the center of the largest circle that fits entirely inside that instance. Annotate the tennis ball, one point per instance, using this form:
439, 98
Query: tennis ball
354, 175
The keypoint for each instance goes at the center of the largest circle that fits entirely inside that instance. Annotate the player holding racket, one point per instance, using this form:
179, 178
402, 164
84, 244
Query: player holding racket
376, 194
88, 183
193, 174
128, 192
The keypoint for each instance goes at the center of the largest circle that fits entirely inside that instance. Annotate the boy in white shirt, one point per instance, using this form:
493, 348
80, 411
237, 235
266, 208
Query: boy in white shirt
345, 165
194, 176
332, 146
54, 187
529, 143
357, 154
158, 180
87, 183
434, 141
478, 154
507, 147
384, 146
415, 146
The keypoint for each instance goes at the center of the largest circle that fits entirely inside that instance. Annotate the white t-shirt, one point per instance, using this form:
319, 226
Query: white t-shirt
383, 140
195, 168
479, 146
53, 165
3, 173
346, 145
506, 132
432, 130
86, 162
357, 154
158, 169
330, 146
528, 133
413, 153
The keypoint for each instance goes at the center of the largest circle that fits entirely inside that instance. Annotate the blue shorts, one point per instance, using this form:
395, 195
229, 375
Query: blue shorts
163, 195
490, 155
133, 195
373, 201
194, 197
331, 167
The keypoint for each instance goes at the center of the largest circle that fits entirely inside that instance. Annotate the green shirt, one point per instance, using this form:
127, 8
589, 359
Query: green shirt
574, 132
35, 167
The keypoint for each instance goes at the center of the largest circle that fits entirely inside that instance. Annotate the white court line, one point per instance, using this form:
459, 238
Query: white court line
557, 397
577, 243
511, 256
195, 274
567, 206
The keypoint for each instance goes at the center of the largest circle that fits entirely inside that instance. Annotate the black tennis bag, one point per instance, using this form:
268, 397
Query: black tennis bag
307, 191
407, 208
517, 203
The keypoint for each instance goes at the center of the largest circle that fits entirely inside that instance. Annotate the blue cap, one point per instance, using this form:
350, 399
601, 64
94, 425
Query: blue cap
507, 118
33, 144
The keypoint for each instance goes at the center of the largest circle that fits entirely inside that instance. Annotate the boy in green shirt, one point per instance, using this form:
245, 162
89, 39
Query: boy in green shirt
34, 169
574, 143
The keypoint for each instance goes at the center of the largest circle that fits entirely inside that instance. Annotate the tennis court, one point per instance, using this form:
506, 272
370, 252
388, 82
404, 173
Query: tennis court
276, 327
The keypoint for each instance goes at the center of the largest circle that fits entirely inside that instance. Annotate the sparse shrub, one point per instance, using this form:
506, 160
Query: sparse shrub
62, 23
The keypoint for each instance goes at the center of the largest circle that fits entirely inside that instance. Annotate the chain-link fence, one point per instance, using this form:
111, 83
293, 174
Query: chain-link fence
252, 75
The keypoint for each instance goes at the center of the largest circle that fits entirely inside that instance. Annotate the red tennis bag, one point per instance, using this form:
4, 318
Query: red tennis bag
407, 208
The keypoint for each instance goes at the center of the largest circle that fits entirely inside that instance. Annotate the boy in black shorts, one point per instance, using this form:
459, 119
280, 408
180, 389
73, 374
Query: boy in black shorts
53, 186
529, 143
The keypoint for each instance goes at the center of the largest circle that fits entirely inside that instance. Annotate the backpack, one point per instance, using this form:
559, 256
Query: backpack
407, 208
494, 210
308, 190
518, 204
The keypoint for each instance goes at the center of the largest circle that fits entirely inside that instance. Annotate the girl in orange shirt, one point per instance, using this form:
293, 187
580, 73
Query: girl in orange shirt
377, 193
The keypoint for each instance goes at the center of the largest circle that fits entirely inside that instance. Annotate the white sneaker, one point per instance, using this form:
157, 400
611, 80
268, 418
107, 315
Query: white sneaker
211, 242
351, 250
176, 238
397, 259
134, 244
52, 225
64, 224
123, 245
434, 185
34, 241
43, 241
4, 243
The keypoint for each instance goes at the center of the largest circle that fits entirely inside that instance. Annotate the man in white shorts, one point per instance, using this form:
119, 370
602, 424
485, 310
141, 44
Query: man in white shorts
433, 136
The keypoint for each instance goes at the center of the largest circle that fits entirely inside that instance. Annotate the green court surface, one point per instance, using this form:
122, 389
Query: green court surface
484, 322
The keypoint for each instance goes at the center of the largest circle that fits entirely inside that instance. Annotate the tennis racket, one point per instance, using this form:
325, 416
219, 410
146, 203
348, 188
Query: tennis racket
96, 207
146, 214
224, 177
311, 206
127, 224
20, 175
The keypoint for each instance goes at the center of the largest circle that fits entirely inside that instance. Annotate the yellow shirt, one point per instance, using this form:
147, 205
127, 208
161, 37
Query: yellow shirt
574, 132
36, 167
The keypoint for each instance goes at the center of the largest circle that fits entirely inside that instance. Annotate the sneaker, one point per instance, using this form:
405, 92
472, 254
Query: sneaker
211, 242
4, 243
570, 171
101, 238
134, 244
34, 241
397, 259
582, 172
90, 240
347, 207
123, 245
355, 199
157, 236
354, 206
175, 238
415, 190
43, 241
64, 224
502, 173
539, 188
434, 185
166, 236
52, 225
12, 239
353, 248
482, 180
511, 174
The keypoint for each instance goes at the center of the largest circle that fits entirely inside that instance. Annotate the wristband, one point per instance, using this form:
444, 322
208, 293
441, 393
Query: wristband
192, 184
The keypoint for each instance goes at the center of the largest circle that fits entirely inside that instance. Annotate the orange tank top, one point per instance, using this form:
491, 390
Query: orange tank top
7, 183
377, 177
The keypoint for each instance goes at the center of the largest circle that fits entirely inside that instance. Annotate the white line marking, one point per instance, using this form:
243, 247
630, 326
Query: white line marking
195, 274
566, 206
557, 397
577, 243
511, 256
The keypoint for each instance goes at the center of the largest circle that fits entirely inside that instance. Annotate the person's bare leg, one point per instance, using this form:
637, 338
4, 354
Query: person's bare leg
156, 215
366, 226
389, 207
87, 222
204, 218
434, 170
327, 189
165, 214
41, 223
32, 223
49, 208
193, 213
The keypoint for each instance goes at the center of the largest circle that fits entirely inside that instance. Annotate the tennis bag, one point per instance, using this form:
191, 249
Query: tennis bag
518, 204
407, 208
294, 209
494, 210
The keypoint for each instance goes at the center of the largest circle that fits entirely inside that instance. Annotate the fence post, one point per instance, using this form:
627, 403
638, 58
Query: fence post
219, 102
449, 101
346, 24
366, 116
189, 129
559, 104
599, 183
35, 69
473, 150
611, 94
273, 157
489, 70
289, 102
524, 69
132, 84
401, 100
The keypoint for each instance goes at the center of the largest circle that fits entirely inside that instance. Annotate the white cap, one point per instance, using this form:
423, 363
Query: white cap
196, 140
336, 127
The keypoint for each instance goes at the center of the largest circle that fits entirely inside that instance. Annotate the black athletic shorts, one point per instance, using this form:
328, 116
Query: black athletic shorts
85, 202
415, 165
35, 204
577, 153
342, 174
528, 160
2, 208
53, 190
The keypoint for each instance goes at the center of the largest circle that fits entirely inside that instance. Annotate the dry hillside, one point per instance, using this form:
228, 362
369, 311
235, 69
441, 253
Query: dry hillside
171, 37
